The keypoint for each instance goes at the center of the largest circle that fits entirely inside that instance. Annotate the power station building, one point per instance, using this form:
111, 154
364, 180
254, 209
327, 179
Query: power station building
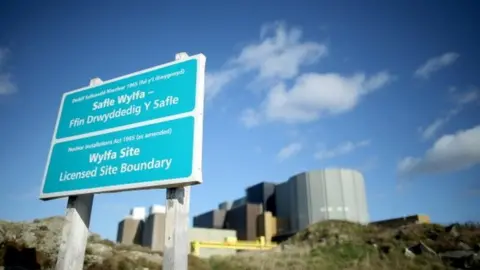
310, 197
149, 231
130, 229
154, 229
270, 209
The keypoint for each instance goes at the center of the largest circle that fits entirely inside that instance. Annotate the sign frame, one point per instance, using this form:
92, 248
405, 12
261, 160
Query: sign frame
197, 113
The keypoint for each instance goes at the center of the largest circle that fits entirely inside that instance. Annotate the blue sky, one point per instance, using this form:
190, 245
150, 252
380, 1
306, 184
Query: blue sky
389, 89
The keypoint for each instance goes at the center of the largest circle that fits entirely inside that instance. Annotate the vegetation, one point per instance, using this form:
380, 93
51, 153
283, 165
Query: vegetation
326, 245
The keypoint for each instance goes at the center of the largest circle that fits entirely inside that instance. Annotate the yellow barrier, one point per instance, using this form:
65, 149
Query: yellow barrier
232, 243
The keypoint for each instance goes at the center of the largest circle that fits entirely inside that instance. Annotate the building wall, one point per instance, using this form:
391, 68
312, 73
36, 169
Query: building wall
243, 219
154, 231
322, 195
239, 202
397, 222
283, 201
262, 193
130, 231
212, 219
214, 235
266, 226
225, 205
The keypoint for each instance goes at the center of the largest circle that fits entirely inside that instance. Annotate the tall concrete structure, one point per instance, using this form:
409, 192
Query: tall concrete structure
214, 219
130, 229
243, 219
262, 193
331, 194
266, 225
225, 205
154, 229
239, 202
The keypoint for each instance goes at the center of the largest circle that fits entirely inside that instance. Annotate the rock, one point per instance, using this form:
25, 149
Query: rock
42, 239
408, 253
476, 248
401, 235
452, 229
422, 248
463, 246
461, 258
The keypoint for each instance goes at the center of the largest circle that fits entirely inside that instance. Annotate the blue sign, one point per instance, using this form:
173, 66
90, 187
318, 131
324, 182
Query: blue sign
150, 95
139, 131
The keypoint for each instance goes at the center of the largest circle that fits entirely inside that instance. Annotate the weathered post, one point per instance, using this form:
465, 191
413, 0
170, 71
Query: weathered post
176, 249
75, 231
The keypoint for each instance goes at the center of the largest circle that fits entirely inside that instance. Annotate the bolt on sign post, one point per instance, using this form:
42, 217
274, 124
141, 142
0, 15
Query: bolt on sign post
139, 131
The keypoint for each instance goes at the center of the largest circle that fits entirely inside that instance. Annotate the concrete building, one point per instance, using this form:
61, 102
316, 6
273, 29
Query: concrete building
217, 235
262, 193
131, 227
266, 226
402, 221
225, 205
154, 228
214, 219
243, 219
238, 202
331, 194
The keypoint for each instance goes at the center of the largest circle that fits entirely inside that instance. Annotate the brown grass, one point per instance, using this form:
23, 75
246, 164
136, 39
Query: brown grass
327, 245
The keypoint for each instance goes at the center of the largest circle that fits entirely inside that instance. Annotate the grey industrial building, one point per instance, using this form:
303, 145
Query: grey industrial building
130, 229
275, 211
213, 219
263, 194
310, 197
243, 219
154, 229
149, 231
304, 199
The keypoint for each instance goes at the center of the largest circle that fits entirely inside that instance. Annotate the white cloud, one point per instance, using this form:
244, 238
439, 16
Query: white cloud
467, 97
461, 100
280, 53
250, 118
431, 130
278, 57
451, 152
314, 95
289, 151
7, 86
216, 81
340, 150
435, 64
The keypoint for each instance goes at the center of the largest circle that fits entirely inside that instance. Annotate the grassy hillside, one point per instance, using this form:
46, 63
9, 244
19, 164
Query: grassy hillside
326, 245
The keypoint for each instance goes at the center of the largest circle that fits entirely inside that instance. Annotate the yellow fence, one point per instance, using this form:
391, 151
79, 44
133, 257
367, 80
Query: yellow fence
232, 243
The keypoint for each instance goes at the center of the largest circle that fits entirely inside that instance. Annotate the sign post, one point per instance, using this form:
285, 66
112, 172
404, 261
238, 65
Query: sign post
71, 252
140, 131
176, 250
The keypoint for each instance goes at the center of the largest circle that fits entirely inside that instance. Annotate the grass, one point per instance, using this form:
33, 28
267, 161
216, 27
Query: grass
326, 245
344, 245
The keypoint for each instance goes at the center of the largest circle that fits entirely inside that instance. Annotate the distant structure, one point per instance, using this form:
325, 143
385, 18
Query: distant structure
131, 227
402, 221
149, 231
154, 229
277, 210
272, 210
214, 219
243, 219
332, 194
